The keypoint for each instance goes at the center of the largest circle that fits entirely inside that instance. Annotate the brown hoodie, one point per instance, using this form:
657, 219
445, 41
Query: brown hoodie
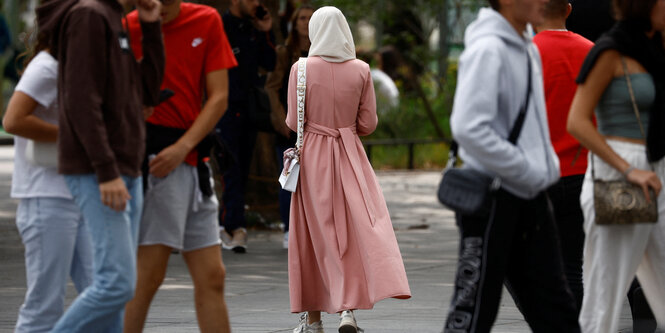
101, 87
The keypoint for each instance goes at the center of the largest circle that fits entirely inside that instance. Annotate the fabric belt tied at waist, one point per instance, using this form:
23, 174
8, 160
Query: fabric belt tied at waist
348, 136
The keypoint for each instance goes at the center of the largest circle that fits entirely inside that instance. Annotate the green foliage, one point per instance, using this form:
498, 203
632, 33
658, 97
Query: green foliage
410, 121
426, 156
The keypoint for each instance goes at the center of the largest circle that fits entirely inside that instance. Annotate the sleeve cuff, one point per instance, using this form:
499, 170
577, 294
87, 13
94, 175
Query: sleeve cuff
151, 30
107, 172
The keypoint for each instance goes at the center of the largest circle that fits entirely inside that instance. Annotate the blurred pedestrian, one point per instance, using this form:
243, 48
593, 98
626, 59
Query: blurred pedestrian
623, 80
55, 237
248, 27
101, 93
180, 210
383, 75
343, 254
277, 83
562, 53
502, 132
591, 18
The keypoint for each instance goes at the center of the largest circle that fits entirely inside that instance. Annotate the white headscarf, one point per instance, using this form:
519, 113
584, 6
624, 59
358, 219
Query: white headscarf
331, 36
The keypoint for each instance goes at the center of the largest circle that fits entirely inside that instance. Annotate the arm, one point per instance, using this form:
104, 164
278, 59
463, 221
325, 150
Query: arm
83, 85
580, 121
274, 82
152, 64
217, 87
83, 96
292, 115
367, 118
19, 120
476, 110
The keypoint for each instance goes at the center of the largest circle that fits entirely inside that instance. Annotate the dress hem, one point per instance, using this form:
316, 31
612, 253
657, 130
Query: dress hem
406, 295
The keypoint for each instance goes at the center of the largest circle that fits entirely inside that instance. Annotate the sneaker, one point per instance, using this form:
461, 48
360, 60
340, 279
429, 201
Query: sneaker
239, 241
226, 239
303, 327
285, 241
347, 323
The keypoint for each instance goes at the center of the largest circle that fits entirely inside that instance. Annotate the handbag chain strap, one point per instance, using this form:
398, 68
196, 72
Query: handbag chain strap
517, 127
300, 91
635, 109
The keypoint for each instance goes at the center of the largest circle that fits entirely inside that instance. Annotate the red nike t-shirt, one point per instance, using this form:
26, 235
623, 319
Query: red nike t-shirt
562, 54
195, 44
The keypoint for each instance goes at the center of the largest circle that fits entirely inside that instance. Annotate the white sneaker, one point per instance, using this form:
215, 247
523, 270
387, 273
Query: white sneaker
303, 327
285, 241
347, 323
236, 242
226, 239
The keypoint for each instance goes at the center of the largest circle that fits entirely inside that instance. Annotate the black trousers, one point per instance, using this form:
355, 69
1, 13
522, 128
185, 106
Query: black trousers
239, 134
565, 198
516, 245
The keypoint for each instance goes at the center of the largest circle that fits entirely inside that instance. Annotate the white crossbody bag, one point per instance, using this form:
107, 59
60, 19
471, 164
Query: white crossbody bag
289, 176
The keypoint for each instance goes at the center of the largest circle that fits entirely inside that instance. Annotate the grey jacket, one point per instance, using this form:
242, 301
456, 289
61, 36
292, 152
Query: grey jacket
491, 90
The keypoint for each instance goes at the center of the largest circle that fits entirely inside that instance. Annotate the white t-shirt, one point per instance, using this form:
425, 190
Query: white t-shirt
40, 82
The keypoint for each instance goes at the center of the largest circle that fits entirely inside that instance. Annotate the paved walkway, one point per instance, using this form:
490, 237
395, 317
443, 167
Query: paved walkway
257, 285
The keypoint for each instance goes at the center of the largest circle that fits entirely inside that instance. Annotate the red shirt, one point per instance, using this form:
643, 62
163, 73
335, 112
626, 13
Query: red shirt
195, 44
562, 54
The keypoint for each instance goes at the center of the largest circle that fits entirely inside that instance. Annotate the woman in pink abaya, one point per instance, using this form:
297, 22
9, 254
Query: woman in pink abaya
343, 254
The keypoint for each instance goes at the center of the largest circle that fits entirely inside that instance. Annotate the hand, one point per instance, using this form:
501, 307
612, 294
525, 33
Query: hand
147, 111
645, 179
114, 194
167, 160
149, 10
264, 24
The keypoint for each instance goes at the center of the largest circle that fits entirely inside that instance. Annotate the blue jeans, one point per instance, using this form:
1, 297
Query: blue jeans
100, 307
57, 245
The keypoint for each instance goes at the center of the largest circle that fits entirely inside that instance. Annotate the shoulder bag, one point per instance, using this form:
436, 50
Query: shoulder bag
619, 201
289, 176
471, 192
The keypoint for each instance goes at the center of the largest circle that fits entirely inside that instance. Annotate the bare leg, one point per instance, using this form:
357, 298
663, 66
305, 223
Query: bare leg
151, 262
208, 274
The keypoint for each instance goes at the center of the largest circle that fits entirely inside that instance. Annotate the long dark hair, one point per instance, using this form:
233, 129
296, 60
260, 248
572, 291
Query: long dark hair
637, 12
35, 42
293, 40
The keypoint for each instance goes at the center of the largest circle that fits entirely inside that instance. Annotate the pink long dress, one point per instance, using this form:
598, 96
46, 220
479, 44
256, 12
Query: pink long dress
343, 253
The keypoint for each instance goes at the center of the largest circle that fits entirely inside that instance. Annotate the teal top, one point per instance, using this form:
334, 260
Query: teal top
614, 113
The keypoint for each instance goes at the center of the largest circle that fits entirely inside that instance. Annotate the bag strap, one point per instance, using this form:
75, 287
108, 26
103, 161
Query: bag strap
635, 109
301, 89
632, 97
517, 126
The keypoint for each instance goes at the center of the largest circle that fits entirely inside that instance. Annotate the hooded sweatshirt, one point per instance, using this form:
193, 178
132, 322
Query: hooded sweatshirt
491, 90
101, 86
